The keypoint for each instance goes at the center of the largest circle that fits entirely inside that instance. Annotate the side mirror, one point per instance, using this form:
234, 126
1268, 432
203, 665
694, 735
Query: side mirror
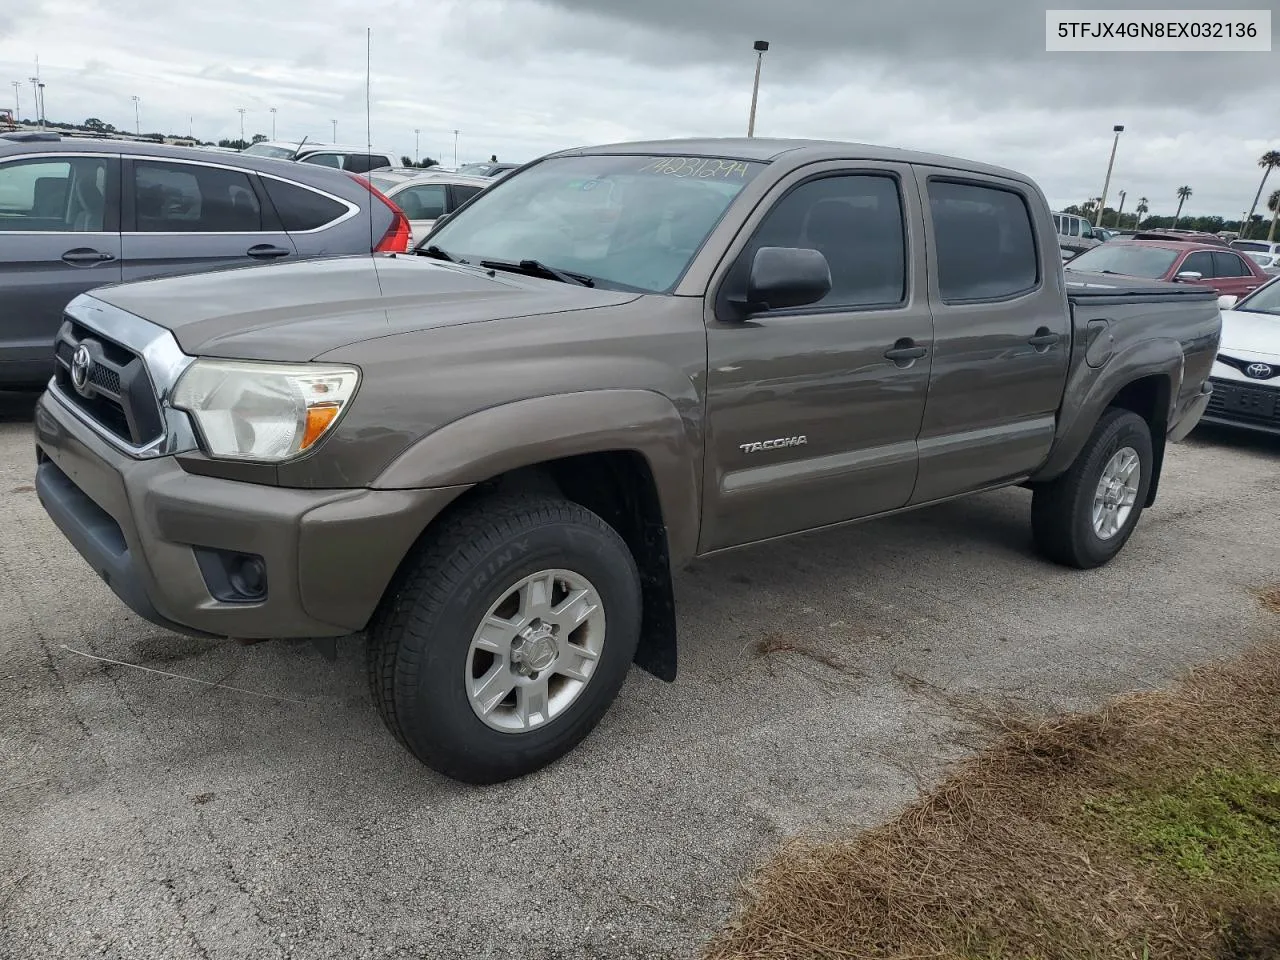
783, 277
1227, 301
1189, 276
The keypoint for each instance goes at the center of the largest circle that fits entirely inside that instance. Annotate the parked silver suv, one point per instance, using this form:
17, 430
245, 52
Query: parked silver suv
77, 214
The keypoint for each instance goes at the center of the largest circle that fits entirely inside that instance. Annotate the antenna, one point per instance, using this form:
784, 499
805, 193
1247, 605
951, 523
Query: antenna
368, 117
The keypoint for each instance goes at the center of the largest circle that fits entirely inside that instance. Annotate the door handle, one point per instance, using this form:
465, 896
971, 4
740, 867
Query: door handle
267, 251
1043, 339
905, 352
86, 255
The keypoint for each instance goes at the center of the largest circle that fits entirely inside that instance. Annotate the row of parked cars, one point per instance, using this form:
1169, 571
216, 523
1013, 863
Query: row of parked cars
78, 213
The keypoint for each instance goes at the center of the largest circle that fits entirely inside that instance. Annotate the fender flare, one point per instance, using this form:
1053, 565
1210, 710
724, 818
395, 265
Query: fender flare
524, 433
1156, 357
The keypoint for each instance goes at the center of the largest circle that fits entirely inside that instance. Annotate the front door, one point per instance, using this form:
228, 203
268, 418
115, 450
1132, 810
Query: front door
185, 216
59, 236
1002, 335
812, 412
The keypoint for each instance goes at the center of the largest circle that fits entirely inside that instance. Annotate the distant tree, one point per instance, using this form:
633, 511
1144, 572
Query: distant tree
1183, 194
233, 144
1267, 162
406, 161
259, 137
1143, 207
93, 123
1273, 204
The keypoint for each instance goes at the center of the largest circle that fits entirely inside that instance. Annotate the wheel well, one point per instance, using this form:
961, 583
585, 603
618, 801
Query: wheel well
1148, 397
618, 487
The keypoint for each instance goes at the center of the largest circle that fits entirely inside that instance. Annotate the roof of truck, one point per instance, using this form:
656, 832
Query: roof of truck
767, 150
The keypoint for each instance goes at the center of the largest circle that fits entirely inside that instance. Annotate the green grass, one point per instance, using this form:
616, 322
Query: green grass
1221, 827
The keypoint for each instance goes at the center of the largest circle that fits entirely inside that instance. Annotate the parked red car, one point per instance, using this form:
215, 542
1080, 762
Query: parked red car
1219, 267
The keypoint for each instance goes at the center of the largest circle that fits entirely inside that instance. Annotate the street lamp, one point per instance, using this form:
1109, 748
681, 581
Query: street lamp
335, 130
760, 47
1120, 209
417, 149
240, 110
455, 148
17, 101
1102, 204
137, 115
35, 99
273, 123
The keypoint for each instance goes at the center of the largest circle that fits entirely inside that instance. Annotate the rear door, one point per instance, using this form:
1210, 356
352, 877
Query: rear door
185, 216
59, 236
1001, 334
1233, 275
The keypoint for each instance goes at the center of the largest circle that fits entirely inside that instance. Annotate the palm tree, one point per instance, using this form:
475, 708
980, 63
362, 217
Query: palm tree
1274, 206
1183, 193
1142, 208
1268, 160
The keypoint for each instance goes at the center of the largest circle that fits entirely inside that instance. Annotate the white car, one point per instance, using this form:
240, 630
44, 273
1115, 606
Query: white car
1246, 374
353, 159
425, 196
1269, 262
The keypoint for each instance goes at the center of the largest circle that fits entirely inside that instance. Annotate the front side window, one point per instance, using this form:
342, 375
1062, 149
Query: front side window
1266, 299
193, 198
1201, 263
54, 196
854, 221
324, 160
425, 202
985, 243
626, 222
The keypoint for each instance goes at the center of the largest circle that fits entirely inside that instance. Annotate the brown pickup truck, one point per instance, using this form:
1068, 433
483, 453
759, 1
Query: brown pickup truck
491, 455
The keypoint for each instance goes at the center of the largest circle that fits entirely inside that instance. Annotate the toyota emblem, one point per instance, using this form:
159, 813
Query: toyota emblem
81, 362
1259, 371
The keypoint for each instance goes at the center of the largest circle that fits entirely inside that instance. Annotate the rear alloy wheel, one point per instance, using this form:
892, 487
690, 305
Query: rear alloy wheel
1084, 517
506, 638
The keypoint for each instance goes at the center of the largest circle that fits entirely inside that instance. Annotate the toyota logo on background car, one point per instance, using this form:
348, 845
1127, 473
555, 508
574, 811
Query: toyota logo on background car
81, 362
1259, 371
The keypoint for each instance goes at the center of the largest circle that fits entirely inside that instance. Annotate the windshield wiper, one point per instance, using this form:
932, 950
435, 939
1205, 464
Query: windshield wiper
438, 254
536, 268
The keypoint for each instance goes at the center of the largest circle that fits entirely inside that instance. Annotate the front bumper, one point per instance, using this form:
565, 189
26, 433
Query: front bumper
1250, 405
329, 554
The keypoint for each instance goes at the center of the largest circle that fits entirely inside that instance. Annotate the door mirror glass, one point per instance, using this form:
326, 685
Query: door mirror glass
1189, 275
783, 277
1227, 301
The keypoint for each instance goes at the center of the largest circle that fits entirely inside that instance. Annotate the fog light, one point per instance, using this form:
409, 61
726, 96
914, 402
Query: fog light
232, 576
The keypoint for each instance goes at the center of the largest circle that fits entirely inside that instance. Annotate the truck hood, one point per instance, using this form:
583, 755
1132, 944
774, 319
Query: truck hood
300, 310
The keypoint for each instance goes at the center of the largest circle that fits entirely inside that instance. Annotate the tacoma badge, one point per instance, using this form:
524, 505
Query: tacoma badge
773, 444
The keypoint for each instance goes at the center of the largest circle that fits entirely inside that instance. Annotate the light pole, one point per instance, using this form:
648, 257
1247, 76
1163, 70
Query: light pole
240, 110
335, 130
760, 47
40, 85
417, 148
1102, 204
455, 148
17, 101
137, 115
273, 123
35, 99
1120, 210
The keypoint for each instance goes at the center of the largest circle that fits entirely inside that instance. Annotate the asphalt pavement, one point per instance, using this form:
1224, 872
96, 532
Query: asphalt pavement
148, 816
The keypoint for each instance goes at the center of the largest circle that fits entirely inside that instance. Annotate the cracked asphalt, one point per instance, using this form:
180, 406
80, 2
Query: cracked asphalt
143, 816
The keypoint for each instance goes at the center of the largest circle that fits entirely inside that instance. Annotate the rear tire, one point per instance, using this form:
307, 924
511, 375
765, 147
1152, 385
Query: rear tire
506, 637
1084, 517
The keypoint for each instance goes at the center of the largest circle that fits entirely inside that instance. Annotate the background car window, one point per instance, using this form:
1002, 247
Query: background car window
1201, 263
192, 198
856, 223
425, 202
363, 162
1251, 245
54, 195
1229, 265
300, 209
324, 160
1057, 223
461, 193
1073, 226
985, 245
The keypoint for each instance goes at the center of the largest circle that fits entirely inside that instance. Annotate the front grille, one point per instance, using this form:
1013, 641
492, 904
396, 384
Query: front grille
117, 393
1244, 402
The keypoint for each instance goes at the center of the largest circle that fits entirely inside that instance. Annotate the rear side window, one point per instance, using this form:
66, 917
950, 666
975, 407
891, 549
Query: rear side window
461, 194
985, 244
364, 162
1229, 265
192, 198
301, 209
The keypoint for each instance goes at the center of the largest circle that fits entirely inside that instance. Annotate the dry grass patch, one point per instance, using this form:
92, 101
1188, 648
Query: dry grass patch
1149, 829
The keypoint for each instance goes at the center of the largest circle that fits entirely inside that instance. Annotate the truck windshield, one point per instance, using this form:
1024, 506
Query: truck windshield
1266, 299
625, 222
1131, 259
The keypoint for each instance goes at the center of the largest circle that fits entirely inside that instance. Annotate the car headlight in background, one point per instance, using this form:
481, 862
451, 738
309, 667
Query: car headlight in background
246, 410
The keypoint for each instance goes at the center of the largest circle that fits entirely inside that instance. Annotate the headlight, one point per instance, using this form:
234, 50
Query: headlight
246, 410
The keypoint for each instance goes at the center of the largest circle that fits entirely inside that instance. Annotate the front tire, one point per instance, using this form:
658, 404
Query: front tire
1084, 517
506, 638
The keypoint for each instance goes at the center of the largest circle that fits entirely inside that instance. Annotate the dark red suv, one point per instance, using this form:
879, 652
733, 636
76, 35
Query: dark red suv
1219, 267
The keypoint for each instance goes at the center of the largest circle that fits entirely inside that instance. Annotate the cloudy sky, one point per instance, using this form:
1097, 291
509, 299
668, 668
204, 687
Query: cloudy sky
521, 77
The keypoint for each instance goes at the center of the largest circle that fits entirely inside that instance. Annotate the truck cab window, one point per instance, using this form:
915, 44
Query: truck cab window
986, 246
